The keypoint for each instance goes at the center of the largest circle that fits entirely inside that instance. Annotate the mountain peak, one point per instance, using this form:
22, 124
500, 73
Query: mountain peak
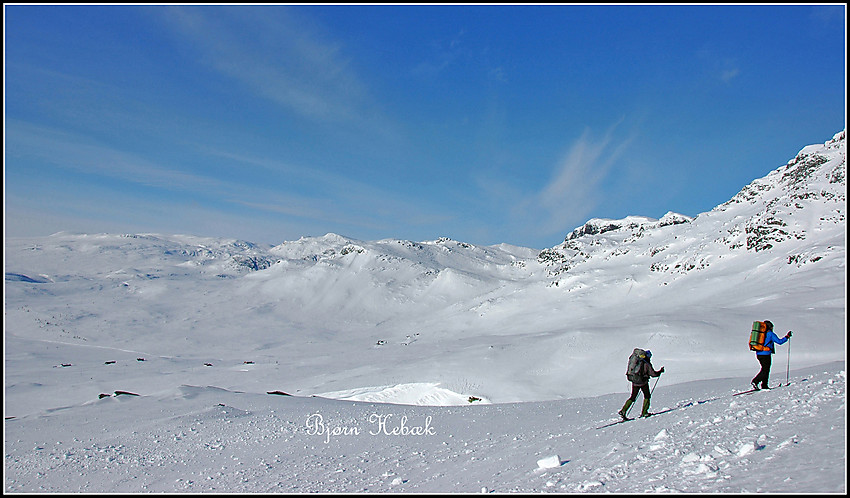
598, 226
631, 224
800, 201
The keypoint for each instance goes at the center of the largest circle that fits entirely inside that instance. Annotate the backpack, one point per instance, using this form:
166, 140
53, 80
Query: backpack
635, 361
757, 337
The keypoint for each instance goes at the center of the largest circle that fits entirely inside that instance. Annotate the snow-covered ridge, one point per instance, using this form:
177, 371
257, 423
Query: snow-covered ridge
428, 394
597, 226
333, 314
809, 175
804, 198
440, 252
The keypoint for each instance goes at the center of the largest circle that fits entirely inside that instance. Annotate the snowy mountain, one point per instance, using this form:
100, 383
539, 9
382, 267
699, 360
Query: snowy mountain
804, 201
201, 329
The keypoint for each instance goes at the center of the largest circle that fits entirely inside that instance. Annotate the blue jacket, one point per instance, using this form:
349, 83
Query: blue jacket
769, 340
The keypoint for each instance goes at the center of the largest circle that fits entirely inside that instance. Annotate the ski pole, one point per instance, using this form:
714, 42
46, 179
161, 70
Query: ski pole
653, 387
788, 365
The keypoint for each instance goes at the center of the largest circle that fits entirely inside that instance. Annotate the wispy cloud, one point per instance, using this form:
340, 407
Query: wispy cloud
327, 197
828, 16
276, 56
575, 188
728, 75
82, 155
457, 53
284, 192
717, 66
446, 54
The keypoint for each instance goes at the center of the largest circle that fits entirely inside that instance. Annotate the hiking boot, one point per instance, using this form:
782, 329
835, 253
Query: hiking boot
755, 386
625, 408
645, 411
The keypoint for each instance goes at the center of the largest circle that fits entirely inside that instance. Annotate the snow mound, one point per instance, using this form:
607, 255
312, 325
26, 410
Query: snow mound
18, 277
419, 393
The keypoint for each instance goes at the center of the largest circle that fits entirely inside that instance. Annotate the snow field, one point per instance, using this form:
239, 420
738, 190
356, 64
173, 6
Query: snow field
205, 439
436, 366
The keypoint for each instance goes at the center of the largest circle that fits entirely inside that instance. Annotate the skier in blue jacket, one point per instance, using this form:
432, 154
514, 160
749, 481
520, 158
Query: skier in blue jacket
764, 356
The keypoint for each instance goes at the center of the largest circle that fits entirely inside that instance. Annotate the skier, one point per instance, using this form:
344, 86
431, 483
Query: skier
764, 356
641, 383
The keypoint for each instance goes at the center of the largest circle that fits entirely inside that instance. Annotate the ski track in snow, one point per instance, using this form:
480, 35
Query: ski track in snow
205, 439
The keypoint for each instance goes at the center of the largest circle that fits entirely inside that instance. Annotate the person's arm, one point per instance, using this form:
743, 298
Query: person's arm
653, 372
782, 340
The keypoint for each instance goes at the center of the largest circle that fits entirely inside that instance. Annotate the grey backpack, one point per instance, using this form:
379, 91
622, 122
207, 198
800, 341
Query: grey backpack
635, 360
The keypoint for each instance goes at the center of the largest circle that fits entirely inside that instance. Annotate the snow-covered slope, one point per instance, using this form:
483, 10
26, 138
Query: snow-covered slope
433, 323
501, 323
207, 439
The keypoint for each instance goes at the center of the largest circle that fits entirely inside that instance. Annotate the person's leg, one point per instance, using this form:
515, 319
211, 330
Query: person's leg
625, 409
762, 376
646, 394
765, 365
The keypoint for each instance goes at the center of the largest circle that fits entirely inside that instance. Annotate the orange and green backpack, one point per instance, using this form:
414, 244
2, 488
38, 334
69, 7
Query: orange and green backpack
757, 337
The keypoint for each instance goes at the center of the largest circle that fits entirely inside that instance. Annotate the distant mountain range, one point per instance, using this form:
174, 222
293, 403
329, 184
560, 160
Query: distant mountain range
508, 316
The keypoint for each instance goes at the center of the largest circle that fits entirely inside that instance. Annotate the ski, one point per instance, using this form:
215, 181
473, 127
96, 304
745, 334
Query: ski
691, 403
615, 423
671, 409
650, 415
630, 419
763, 389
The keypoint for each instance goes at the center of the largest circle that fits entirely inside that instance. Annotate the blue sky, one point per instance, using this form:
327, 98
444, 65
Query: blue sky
485, 124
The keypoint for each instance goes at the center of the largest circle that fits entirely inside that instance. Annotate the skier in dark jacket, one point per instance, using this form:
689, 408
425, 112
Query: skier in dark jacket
764, 356
641, 384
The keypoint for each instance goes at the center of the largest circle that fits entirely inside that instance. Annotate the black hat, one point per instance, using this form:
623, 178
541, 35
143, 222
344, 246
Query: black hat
769, 324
